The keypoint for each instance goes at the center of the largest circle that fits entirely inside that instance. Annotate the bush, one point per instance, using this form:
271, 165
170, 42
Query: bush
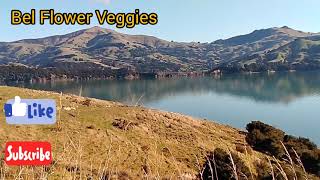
263, 170
298, 143
311, 161
306, 150
265, 138
220, 160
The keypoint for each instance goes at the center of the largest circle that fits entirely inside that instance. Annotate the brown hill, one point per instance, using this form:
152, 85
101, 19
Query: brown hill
108, 49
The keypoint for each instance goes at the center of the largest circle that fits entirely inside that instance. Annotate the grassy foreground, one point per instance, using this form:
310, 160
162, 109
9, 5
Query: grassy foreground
97, 139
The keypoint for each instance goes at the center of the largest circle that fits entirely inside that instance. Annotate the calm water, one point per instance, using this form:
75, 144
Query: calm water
290, 101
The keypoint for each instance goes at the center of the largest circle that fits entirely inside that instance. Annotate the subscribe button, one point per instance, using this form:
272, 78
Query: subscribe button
28, 153
30, 111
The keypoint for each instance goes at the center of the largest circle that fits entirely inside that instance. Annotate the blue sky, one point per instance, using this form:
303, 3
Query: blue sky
179, 20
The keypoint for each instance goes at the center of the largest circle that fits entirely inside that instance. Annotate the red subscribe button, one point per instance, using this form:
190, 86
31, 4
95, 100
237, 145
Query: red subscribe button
28, 153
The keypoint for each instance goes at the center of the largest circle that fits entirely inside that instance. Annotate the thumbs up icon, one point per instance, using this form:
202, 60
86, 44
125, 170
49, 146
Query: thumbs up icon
19, 109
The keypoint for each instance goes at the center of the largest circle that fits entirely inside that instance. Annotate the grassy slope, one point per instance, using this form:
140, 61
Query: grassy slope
87, 143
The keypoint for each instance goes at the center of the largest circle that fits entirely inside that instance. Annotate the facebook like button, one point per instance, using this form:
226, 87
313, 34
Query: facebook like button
30, 111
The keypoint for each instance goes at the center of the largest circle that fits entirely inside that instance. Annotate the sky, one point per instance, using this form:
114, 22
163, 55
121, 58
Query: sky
179, 20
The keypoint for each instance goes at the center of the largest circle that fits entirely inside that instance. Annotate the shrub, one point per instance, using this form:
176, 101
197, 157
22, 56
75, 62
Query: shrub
263, 170
290, 174
265, 138
311, 161
221, 161
298, 143
306, 150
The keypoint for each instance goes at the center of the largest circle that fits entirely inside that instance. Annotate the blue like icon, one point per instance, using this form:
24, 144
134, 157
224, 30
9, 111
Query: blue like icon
30, 111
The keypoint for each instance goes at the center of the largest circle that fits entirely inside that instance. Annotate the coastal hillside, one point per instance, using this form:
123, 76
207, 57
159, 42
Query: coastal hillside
104, 48
98, 52
300, 54
257, 42
95, 139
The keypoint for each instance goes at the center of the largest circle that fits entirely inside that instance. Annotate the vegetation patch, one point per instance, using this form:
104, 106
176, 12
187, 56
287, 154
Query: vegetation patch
223, 164
123, 124
297, 151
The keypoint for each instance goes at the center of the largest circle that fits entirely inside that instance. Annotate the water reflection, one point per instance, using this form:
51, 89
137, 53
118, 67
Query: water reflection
289, 101
272, 88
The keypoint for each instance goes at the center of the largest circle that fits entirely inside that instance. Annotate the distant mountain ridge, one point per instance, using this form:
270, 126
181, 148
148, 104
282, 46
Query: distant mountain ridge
302, 53
267, 49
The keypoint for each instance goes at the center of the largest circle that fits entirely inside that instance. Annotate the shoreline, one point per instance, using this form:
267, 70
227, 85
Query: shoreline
27, 74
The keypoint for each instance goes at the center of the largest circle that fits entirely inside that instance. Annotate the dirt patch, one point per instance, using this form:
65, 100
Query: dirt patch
86, 102
123, 124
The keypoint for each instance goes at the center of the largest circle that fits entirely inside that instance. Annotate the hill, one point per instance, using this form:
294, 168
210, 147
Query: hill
112, 52
104, 48
299, 54
256, 42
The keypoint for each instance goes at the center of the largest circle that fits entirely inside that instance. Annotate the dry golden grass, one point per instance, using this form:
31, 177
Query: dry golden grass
97, 139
